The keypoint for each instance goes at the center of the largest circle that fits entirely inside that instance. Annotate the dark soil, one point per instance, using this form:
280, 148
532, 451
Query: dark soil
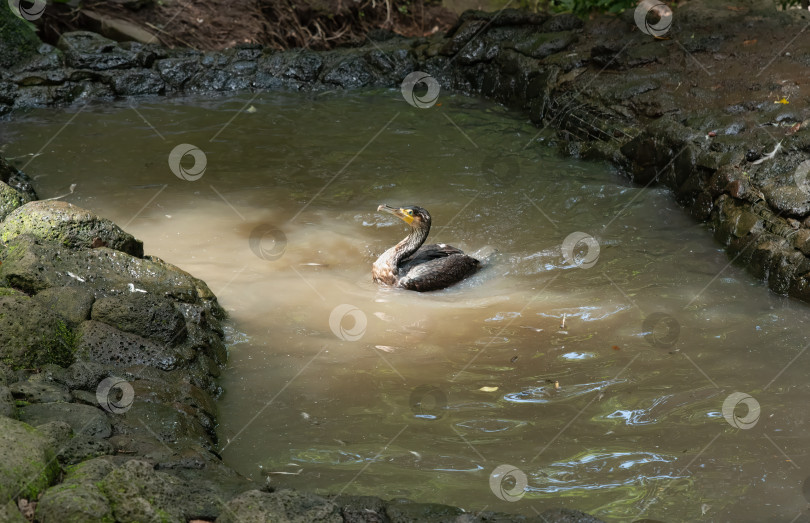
279, 24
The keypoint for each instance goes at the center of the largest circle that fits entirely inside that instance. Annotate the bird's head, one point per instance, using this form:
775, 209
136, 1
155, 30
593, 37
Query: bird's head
416, 217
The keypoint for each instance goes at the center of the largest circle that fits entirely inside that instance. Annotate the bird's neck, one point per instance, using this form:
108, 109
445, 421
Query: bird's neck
388, 262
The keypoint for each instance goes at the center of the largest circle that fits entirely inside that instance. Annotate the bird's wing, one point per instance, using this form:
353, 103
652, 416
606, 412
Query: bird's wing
429, 252
438, 272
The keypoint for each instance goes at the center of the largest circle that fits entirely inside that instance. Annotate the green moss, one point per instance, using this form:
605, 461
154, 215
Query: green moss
59, 348
18, 36
162, 514
40, 481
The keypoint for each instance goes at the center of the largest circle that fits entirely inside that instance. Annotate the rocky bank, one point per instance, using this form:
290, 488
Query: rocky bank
110, 356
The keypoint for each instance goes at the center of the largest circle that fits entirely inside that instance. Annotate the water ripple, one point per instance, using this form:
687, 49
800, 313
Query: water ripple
548, 393
491, 425
614, 469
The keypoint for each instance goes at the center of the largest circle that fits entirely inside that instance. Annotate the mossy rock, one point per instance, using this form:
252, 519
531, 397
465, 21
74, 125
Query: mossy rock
7, 405
68, 225
90, 471
10, 199
72, 304
74, 503
140, 493
18, 39
83, 419
255, 506
27, 462
9, 513
31, 335
32, 265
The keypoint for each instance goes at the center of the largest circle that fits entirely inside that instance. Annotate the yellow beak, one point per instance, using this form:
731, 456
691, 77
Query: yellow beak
398, 212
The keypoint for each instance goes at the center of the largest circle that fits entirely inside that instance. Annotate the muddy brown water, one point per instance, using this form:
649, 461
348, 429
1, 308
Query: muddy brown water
337, 385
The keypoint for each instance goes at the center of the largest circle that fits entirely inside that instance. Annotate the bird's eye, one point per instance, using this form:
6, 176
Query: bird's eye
410, 212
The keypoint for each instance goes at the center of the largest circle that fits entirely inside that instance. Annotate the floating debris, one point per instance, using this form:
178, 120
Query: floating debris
282, 473
535, 329
488, 389
562, 322
72, 188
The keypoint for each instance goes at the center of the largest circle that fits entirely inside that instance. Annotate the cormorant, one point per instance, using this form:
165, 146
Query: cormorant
411, 265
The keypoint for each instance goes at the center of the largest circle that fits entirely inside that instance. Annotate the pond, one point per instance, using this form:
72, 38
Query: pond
594, 363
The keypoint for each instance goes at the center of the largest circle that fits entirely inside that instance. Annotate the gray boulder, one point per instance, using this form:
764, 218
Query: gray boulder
86, 50
39, 392
104, 344
152, 317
